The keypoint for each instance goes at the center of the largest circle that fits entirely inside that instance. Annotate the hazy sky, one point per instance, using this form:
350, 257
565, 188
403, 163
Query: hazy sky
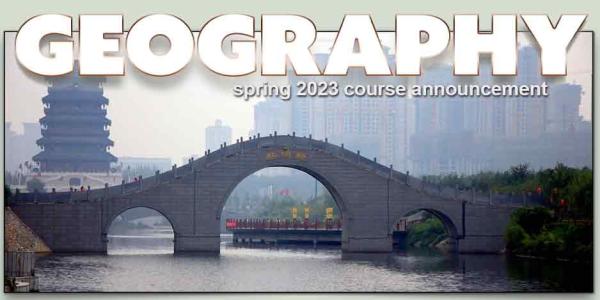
166, 117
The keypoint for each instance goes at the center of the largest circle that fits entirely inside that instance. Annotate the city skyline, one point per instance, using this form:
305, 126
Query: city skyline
174, 106
466, 193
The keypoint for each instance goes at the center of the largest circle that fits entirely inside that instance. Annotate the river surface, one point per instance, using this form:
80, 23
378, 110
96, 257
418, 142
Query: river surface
151, 266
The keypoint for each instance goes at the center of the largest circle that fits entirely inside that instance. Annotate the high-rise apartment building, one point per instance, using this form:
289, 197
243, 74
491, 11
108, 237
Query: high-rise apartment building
216, 135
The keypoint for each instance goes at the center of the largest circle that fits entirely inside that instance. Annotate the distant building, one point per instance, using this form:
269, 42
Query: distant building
272, 115
467, 135
154, 163
524, 116
442, 135
132, 167
377, 126
75, 144
216, 135
75, 127
562, 108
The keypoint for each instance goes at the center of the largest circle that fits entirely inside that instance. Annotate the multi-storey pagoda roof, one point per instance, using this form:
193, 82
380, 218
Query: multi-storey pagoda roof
75, 127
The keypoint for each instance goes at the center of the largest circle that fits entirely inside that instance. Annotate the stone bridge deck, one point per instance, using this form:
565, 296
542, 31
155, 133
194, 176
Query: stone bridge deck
371, 197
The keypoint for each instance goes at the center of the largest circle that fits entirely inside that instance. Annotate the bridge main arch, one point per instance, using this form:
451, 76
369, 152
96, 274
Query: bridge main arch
329, 186
360, 195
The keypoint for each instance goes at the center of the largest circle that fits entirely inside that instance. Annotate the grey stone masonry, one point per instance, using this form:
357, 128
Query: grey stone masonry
371, 198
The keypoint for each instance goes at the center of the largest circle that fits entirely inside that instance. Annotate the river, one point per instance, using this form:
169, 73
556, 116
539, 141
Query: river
150, 266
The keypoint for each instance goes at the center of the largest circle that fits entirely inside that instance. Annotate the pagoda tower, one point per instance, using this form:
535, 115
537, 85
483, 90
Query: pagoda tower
75, 129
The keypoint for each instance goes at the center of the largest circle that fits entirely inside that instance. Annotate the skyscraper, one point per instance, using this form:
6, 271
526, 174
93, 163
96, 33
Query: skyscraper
562, 108
525, 115
377, 126
466, 135
216, 135
271, 115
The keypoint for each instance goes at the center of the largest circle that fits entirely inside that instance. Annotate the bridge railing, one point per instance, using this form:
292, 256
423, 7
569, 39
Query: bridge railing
282, 224
292, 142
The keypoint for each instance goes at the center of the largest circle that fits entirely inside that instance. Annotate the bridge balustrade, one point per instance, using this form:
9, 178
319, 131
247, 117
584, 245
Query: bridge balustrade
278, 224
292, 142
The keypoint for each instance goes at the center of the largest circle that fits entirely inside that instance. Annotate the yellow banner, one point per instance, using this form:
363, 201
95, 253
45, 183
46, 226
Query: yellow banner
329, 212
306, 212
294, 213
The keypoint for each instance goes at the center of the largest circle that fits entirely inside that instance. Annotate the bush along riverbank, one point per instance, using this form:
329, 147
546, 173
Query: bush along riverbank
429, 233
541, 232
561, 227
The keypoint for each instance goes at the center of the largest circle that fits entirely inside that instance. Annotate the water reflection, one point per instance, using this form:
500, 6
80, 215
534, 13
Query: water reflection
140, 230
558, 276
140, 244
288, 268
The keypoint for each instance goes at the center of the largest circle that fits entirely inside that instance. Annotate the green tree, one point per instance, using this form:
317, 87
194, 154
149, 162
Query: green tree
519, 173
580, 194
532, 220
426, 233
534, 231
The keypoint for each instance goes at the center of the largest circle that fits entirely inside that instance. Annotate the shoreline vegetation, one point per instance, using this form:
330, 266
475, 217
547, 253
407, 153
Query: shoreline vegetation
429, 233
560, 227
536, 232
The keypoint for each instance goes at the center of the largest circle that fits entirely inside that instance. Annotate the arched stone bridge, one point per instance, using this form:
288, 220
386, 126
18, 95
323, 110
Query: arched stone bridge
371, 198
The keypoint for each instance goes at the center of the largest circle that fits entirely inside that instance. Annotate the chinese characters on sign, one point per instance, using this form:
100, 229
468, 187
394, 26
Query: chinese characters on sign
286, 154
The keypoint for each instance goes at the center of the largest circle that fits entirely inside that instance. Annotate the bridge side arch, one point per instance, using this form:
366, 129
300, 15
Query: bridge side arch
112, 216
449, 224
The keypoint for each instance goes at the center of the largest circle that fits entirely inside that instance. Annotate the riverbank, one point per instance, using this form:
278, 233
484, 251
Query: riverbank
21, 245
19, 237
537, 232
